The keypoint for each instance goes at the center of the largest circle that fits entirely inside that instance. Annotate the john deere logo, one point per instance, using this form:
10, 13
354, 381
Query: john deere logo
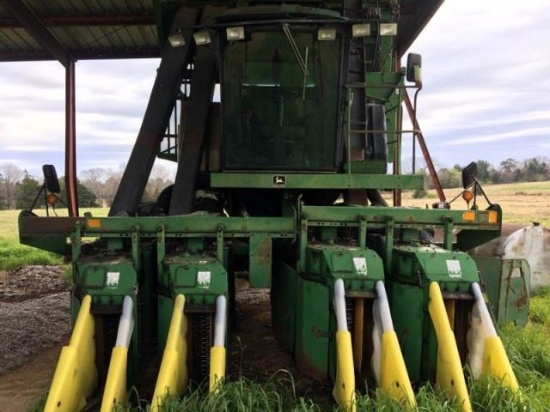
279, 181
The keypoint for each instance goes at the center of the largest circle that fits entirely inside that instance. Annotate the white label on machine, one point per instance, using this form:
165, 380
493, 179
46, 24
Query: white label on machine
360, 264
203, 279
454, 269
112, 280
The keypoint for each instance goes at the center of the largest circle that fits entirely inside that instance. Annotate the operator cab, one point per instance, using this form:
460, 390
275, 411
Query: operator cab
280, 89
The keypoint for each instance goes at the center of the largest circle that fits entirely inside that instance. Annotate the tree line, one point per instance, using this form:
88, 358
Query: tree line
536, 169
96, 187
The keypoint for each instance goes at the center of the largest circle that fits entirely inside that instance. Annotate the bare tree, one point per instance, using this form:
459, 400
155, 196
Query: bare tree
95, 180
158, 180
111, 185
103, 183
2, 193
12, 175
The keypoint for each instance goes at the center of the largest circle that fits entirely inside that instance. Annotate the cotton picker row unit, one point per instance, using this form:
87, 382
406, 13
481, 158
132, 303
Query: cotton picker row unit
289, 136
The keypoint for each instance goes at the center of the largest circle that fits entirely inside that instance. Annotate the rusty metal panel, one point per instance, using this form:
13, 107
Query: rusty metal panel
514, 298
260, 261
60, 226
506, 283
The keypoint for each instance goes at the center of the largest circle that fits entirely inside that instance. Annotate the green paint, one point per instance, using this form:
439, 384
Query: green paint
413, 268
407, 304
315, 320
287, 132
317, 180
313, 332
506, 284
260, 260
283, 303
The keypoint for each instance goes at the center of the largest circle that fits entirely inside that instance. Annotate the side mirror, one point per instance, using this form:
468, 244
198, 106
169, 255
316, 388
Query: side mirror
414, 66
469, 174
50, 178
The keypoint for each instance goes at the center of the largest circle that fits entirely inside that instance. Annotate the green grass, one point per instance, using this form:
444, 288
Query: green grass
8, 225
13, 254
527, 348
279, 394
488, 394
37, 404
539, 307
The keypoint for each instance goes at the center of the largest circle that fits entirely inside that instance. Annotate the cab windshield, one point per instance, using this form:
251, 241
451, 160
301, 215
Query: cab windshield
279, 97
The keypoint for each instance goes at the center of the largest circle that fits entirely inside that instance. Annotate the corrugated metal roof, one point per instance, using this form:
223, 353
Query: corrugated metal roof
99, 29
414, 15
92, 29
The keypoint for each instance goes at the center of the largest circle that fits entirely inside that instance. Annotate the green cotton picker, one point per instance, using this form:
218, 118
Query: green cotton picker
288, 149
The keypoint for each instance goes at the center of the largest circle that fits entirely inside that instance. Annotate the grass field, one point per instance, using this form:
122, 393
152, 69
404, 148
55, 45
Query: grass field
523, 202
13, 254
528, 348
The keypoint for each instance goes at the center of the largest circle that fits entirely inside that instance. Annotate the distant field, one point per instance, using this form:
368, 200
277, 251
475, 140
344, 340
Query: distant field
521, 202
13, 254
8, 220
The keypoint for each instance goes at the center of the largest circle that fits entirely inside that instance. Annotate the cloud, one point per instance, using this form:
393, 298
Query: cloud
42, 76
485, 96
111, 97
500, 136
485, 72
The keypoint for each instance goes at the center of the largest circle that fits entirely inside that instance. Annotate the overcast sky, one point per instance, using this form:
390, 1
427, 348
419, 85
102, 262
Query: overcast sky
486, 72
